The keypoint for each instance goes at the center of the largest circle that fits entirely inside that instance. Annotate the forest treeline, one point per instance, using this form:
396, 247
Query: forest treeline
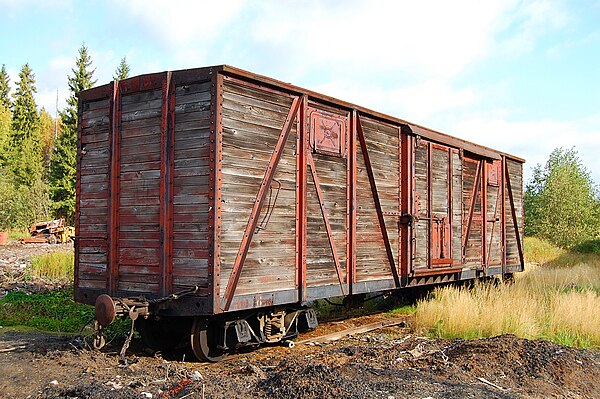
37, 151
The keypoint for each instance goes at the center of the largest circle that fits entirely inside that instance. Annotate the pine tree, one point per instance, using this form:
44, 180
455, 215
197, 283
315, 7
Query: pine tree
62, 165
122, 71
25, 117
4, 88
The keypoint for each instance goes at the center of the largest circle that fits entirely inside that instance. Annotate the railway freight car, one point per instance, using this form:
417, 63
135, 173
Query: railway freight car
215, 204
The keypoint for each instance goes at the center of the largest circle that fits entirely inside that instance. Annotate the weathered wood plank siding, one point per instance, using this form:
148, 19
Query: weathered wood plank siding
190, 186
94, 158
457, 209
515, 172
472, 218
171, 164
494, 214
421, 227
139, 189
320, 266
383, 148
252, 121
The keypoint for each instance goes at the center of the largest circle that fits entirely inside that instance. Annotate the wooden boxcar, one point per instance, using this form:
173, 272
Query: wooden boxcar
232, 199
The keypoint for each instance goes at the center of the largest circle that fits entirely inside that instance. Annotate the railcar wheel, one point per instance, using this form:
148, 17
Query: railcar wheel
204, 339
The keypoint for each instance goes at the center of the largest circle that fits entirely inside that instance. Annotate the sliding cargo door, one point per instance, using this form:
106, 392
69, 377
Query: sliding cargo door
434, 224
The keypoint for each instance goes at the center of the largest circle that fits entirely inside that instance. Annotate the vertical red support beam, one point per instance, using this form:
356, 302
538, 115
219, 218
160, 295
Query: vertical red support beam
400, 257
484, 203
166, 186
77, 196
215, 188
351, 205
450, 250
301, 167
115, 172
503, 213
429, 205
406, 187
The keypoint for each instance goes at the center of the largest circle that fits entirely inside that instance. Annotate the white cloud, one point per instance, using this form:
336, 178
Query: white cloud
534, 140
185, 29
441, 38
414, 103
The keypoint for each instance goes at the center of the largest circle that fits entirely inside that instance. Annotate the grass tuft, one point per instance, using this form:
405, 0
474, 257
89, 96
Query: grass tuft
57, 265
558, 299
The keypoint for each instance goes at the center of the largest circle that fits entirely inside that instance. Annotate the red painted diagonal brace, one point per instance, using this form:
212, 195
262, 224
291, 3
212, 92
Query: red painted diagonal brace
386, 240
260, 199
474, 194
514, 216
336, 259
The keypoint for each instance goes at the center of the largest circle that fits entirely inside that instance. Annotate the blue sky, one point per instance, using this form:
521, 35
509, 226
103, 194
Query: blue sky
519, 76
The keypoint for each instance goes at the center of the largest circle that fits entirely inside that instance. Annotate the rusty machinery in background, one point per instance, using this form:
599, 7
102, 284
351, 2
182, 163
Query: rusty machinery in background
51, 232
215, 205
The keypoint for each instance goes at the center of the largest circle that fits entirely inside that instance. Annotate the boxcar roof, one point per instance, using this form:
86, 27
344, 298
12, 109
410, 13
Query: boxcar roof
103, 91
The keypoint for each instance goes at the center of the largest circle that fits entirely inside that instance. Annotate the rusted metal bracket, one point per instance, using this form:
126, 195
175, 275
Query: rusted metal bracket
260, 199
380, 218
326, 220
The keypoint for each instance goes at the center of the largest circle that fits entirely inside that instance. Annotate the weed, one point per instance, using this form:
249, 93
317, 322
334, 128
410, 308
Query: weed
57, 265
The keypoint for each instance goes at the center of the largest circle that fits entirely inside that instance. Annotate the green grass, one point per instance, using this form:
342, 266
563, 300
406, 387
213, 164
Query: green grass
557, 298
55, 311
57, 265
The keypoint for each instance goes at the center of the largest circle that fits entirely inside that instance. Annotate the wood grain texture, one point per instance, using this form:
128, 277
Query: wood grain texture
515, 171
383, 148
252, 121
93, 155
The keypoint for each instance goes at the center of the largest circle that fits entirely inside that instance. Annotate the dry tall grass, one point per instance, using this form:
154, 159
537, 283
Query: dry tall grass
559, 300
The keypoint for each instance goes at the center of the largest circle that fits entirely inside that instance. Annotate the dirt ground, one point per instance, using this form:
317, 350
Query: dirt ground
387, 363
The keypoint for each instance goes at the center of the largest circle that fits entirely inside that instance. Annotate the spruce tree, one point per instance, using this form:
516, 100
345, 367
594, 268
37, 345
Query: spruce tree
25, 117
63, 162
4, 88
122, 71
